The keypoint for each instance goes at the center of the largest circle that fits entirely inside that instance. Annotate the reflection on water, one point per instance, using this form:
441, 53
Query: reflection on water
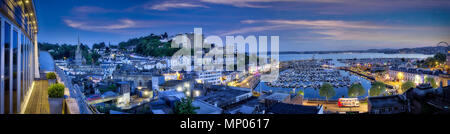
341, 92
311, 93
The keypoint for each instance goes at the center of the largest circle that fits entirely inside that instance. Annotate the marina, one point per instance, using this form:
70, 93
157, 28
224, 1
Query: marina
309, 75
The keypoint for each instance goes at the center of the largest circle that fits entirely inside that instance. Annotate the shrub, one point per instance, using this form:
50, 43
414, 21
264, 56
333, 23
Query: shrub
51, 76
56, 91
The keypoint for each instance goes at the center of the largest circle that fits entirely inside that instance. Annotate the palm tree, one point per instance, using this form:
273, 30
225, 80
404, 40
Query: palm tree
327, 91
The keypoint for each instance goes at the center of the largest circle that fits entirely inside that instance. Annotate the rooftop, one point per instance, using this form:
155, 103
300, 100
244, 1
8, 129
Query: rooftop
222, 97
206, 108
387, 101
277, 96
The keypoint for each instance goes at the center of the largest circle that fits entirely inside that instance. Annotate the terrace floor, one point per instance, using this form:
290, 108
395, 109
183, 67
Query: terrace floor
38, 103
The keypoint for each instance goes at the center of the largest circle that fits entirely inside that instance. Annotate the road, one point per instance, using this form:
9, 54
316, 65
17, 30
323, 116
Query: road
332, 107
249, 82
75, 92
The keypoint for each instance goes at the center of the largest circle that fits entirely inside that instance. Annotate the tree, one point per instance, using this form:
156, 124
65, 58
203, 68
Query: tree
185, 107
99, 46
327, 91
356, 90
377, 88
407, 85
111, 87
301, 92
439, 57
431, 81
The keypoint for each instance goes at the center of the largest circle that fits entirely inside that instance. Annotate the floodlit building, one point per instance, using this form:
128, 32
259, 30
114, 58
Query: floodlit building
209, 77
18, 52
416, 75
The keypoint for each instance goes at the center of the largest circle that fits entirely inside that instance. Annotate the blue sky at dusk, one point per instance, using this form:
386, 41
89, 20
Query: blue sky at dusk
303, 25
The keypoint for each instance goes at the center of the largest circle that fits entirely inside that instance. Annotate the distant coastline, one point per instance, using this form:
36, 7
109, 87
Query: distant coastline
419, 50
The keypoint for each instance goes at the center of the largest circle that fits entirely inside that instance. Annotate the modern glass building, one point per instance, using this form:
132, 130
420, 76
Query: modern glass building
18, 51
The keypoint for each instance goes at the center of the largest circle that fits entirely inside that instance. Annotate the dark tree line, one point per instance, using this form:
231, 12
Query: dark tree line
65, 51
149, 46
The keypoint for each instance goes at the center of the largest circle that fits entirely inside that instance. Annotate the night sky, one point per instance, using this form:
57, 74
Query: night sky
303, 25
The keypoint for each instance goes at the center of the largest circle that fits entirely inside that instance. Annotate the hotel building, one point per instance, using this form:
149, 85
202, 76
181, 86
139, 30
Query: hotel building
18, 52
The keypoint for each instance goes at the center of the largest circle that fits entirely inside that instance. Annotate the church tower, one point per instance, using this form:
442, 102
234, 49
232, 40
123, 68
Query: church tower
78, 54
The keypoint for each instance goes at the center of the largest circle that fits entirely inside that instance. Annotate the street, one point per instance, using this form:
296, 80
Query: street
332, 107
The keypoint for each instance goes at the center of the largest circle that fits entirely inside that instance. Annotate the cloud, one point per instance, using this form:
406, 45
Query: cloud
320, 24
338, 30
169, 5
91, 9
245, 3
111, 26
252, 30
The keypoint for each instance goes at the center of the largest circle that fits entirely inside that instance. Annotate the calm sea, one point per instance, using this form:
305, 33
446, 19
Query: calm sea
288, 57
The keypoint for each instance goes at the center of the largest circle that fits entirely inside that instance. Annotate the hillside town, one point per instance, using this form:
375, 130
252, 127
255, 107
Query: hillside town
126, 82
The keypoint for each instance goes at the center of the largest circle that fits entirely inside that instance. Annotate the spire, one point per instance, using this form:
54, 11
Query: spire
78, 44
78, 54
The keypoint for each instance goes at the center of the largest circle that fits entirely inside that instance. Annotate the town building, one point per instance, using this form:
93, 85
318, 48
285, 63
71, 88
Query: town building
416, 75
394, 104
276, 98
209, 77
19, 54
224, 97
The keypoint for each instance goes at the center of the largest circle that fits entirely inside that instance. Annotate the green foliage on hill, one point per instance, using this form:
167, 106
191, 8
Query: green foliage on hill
65, 51
59, 52
430, 62
149, 46
99, 45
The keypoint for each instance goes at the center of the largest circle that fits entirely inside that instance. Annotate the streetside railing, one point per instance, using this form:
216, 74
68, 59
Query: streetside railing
76, 93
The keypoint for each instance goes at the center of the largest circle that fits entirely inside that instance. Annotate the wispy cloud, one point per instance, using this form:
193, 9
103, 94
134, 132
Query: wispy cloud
349, 31
172, 5
109, 26
91, 9
252, 29
320, 24
355, 3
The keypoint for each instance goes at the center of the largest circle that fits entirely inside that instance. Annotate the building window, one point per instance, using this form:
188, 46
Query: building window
7, 69
2, 89
22, 68
15, 70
